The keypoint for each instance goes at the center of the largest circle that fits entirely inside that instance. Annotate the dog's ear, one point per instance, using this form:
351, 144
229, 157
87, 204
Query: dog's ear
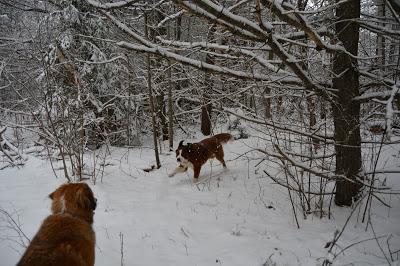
85, 199
180, 143
53, 194
189, 146
59, 190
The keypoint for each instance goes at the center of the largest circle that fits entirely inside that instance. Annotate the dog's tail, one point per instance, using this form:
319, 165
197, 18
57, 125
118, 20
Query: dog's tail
223, 138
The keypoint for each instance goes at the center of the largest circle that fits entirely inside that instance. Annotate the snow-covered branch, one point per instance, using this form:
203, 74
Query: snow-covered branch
170, 17
236, 24
226, 48
111, 5
389, 116
379, 29
151, 47
128, 30
365, 97
326, 139
195, 63
286, 12
249, 30
375, 95
102, 62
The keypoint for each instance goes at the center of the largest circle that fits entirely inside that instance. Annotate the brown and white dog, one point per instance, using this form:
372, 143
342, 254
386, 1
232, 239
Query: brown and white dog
66, 237
194, 155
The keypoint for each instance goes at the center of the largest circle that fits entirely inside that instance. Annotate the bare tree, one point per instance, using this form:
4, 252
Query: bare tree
206, 108
151, 99
346, 113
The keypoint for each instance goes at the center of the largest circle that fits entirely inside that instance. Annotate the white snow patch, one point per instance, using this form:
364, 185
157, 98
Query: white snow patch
221, 221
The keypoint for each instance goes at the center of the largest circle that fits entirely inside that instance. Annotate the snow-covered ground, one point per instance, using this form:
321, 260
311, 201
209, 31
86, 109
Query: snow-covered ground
223, 220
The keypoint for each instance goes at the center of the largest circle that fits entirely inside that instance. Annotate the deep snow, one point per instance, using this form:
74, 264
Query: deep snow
223, 220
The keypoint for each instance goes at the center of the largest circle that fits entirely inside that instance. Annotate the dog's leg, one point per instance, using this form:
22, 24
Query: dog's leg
220, 157
222, 161
196, 173
178, 169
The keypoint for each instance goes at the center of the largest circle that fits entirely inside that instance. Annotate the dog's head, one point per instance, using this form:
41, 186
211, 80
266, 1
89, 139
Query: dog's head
76, 199
183, 152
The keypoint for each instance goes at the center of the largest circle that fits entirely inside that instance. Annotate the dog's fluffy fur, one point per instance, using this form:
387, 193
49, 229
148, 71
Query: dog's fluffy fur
194, 155
66, 237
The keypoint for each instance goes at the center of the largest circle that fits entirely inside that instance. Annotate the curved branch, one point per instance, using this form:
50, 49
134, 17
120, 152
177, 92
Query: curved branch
249, 30
119, 4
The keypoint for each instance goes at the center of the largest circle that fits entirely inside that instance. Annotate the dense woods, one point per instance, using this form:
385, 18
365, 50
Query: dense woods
308, 88
318, 81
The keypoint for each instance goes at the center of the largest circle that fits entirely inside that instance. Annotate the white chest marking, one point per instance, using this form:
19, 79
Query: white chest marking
183, 161
62, 202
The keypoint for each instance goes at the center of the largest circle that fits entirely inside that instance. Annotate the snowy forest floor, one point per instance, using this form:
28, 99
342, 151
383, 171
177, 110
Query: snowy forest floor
233, 217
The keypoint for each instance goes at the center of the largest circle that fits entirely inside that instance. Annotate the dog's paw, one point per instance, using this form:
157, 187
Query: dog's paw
171, 174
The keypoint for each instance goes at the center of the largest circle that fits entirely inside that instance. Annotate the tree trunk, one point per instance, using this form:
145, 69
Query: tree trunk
161, 114
170, 111
170, 103
301, 5
206, 116
206, 108
267, 104
128, 116
312, 120
268, 100
151, 99
346, 112
380, 40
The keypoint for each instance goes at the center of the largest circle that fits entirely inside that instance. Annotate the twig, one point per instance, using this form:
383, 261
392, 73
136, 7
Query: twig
14, 225
338, 235
370, 192
121, 241
356, 243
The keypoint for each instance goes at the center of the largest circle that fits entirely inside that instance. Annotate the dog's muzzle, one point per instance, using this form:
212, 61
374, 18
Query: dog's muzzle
178, 160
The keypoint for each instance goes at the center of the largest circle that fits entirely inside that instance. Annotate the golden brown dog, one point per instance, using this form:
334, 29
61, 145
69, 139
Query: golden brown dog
66, 237
194, 155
